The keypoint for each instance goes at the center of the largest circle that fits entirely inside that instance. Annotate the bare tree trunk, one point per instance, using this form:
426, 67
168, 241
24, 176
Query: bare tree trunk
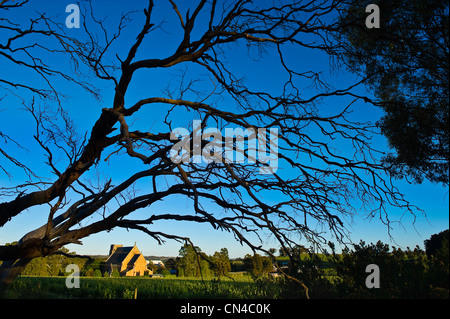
9, 270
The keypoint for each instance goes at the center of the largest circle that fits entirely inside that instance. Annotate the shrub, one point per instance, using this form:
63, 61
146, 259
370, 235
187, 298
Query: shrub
97, 273
403, 274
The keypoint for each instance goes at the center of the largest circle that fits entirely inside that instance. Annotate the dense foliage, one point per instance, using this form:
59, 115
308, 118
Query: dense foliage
403, 273
258, 266
406, 65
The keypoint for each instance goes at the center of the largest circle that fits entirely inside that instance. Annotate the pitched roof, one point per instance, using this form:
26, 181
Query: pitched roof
133, 259
119, 255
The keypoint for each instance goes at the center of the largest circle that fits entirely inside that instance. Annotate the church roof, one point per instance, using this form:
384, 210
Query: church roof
133, 259
119, 255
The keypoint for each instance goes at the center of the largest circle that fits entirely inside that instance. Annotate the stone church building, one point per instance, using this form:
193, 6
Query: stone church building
127, 260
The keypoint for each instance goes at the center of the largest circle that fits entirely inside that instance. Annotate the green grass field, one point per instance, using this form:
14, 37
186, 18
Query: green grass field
125, 288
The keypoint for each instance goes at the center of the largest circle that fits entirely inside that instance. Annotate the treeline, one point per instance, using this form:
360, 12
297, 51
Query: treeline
410, 273
55, 265
192, 262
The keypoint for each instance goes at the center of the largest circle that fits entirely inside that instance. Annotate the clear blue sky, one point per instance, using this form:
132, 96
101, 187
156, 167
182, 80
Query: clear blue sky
433, 199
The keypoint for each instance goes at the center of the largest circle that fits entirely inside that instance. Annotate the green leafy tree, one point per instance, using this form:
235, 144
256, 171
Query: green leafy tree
405, 63
258, 266
115, 273
221, 262
53, 265
308, 270
437, 245
37, 267
297, 249
436, 248
171, 264
97, 273
93, 268
403, 274
193, 262
151, 266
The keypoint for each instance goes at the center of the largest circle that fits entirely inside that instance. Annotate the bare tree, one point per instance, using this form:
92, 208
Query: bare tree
316, 186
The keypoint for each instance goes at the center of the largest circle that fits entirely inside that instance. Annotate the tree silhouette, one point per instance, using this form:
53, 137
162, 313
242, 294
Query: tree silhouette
317, 185
406, 65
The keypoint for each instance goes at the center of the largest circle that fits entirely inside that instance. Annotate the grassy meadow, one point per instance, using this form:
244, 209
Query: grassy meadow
241, 287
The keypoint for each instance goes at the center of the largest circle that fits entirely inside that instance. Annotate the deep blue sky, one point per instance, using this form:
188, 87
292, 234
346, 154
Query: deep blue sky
84, 110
